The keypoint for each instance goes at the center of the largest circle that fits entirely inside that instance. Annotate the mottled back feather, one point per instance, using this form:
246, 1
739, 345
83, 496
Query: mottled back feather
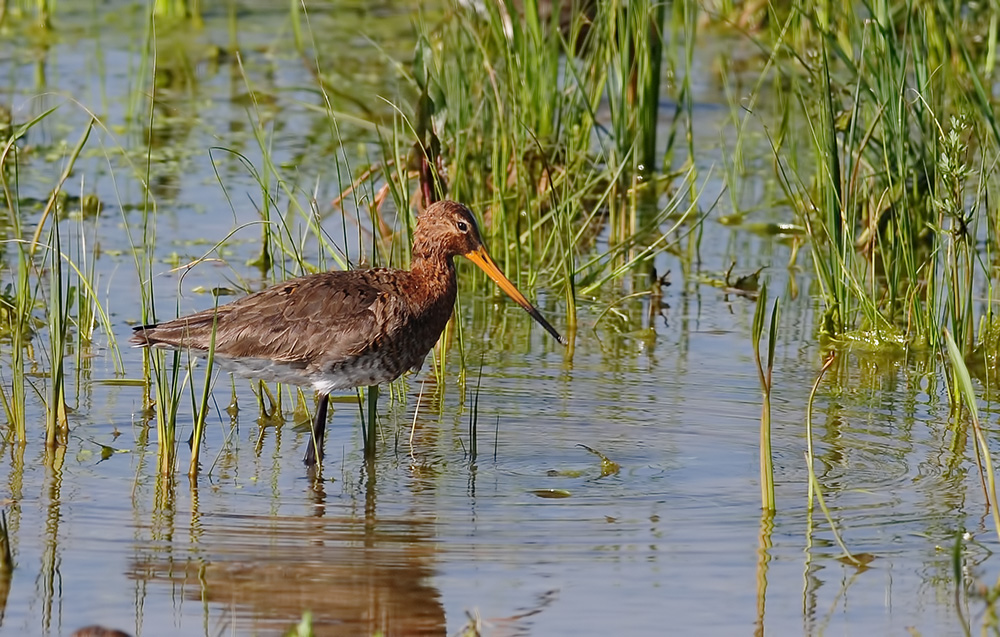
317, 322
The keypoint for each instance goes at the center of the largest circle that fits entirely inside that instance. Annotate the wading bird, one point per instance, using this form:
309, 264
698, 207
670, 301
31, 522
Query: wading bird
339, 330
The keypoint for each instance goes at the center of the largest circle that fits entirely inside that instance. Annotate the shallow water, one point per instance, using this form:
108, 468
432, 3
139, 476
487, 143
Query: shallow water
423, 539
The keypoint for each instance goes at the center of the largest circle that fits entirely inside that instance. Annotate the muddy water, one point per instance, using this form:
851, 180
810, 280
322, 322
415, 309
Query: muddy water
530, 537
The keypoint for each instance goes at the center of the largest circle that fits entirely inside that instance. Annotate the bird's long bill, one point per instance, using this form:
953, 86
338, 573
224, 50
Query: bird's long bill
481, 258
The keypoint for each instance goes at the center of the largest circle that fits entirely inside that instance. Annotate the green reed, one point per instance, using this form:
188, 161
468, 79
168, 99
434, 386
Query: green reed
473, 450
47, 277
90, 313
20, 300
632, 36
200, 404
164, 375
764, 376
962, 382
166, 378
957, 227
897, 200
56, 422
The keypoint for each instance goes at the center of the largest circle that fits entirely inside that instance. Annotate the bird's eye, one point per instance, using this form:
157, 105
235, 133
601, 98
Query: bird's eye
464, 227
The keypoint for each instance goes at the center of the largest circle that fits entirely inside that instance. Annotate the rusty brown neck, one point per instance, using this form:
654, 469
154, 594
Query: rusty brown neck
435, 274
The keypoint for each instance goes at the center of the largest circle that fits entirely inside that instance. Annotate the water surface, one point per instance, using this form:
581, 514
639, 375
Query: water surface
426, 540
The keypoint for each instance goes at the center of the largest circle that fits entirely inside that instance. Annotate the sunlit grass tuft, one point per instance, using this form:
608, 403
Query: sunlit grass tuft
895, 198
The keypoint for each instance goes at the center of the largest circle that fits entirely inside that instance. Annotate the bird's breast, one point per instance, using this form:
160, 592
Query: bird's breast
401, 346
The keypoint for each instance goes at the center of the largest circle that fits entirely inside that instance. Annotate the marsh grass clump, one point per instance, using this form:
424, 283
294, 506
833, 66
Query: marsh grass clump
510, 115
49, 306
898, 200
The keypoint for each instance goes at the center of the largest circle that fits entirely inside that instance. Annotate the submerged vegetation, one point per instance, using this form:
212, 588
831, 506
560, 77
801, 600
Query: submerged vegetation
574, 133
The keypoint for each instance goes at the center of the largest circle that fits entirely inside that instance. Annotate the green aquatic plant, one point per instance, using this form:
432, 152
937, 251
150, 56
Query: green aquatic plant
894, 203
957, 228
201, 407
962, 384
473, 450
608, 466
23, 290
56, 420
19, 320
764, 376
60, 282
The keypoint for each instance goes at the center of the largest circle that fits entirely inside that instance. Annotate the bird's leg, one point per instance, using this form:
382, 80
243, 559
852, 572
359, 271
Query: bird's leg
314, 452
